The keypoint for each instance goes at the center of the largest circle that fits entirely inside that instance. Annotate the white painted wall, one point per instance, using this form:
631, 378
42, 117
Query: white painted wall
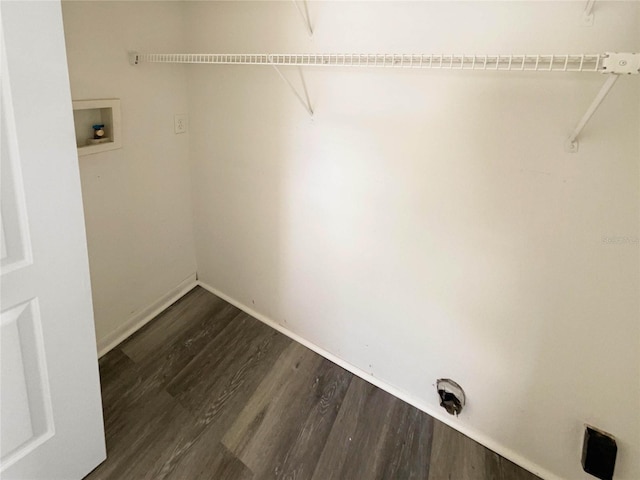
137, 199
429, 224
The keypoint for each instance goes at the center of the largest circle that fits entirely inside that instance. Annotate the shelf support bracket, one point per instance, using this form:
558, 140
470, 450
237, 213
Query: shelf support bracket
587, 14
134, 59
304, 13
302, 98
571, 145
614, 65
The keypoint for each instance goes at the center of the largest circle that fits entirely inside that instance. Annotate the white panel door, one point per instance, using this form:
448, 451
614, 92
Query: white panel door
50, 408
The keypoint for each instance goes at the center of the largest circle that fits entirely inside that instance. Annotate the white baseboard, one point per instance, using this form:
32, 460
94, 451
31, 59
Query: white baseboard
420, 405
144, 316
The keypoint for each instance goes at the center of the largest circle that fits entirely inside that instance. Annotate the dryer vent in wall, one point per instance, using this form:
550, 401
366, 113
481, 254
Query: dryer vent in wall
452, 397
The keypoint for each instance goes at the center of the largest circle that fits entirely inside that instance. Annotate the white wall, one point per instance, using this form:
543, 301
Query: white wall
430, 224
137, 199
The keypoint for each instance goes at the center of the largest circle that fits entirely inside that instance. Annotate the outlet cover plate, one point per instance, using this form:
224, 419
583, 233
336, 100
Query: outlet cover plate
180, 123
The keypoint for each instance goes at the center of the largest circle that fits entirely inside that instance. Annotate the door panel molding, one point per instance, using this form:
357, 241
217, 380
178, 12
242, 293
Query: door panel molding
26, 403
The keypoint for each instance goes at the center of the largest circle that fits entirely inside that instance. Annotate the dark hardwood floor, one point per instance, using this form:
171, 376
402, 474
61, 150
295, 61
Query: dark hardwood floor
205, 391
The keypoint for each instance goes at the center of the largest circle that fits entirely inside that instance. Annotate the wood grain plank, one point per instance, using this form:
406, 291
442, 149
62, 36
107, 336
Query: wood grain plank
196, 310
161, 369
215, 386
282, 430
298, 457
190, 449
208, 459
122, 391
407, 449
235, 359
457, 457
135, 438
294, 362
354, 447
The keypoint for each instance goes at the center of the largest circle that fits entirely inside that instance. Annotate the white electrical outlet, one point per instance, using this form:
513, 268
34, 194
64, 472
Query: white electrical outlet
180, 123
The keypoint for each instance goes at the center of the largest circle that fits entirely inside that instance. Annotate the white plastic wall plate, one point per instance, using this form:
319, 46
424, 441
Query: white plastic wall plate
180, 123
621, 63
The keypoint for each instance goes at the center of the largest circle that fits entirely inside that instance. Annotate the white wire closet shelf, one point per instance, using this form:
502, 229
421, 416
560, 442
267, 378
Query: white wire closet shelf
610, 63
544, 63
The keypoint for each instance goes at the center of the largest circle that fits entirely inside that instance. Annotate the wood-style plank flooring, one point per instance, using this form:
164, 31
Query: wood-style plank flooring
205, 391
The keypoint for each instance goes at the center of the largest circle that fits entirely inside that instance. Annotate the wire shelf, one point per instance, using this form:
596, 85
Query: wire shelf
612, 63
537, 63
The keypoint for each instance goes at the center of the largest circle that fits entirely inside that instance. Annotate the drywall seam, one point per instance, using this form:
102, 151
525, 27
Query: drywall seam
144, 316
412, 400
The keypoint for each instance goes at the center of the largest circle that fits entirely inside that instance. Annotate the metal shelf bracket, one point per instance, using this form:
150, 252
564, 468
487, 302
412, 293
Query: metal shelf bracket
134, 59
304, 13
614, 65
587, 14
303, 97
